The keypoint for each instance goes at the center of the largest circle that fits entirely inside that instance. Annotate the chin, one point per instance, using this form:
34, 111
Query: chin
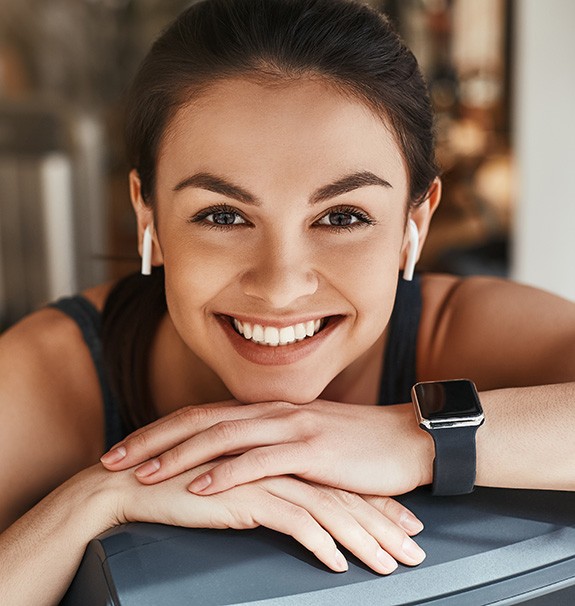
286, 392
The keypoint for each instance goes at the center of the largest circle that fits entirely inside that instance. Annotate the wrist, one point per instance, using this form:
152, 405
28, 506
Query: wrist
424, 448
417, 447
96, 495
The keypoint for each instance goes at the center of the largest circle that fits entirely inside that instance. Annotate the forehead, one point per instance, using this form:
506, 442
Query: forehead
295, 128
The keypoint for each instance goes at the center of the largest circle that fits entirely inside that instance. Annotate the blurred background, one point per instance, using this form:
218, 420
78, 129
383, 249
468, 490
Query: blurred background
502, 82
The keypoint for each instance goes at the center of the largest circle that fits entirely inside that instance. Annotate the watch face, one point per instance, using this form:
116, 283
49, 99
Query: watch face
447, 399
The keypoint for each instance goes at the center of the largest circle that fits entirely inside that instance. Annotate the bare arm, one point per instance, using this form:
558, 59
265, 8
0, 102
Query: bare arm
528, 439
518, 344
50, 428
41, 551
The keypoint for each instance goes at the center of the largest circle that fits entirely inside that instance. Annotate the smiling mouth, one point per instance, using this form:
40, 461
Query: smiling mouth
277, 337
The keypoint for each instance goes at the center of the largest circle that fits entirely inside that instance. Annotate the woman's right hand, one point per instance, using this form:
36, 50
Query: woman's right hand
375, 529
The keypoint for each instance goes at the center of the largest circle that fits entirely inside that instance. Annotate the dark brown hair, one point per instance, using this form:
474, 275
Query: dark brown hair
346, 42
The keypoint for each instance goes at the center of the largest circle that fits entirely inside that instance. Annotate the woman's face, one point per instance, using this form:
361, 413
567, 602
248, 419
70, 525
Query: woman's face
280, 215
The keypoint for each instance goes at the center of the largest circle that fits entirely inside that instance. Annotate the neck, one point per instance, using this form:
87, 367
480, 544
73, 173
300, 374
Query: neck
359, 382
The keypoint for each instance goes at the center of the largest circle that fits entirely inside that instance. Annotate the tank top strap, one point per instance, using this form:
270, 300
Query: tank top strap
88, 319
399, 369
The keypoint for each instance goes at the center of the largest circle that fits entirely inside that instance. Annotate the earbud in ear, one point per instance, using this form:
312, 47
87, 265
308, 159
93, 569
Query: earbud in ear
412, 250
147, 251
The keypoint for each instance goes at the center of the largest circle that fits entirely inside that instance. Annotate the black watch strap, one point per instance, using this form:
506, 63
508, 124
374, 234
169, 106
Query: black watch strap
455, 460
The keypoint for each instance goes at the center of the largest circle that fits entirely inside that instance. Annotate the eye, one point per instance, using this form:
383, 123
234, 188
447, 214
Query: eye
219, 216
346, 218
225, 218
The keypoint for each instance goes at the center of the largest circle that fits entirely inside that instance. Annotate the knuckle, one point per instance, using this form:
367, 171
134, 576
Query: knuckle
141, 443
241, 519
326, 502
226, 471
173, 458
349, 500
387, 506
226, 432
262, 458
191, 416
302, 519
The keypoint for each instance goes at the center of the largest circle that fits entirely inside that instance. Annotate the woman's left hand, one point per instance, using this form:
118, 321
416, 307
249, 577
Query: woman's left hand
363, 449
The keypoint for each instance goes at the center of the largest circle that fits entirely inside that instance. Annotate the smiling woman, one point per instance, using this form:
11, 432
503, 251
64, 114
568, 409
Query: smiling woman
290, 241
283, 183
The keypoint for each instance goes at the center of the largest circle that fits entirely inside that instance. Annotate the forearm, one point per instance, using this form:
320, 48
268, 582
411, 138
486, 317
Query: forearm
528, 438
41, 551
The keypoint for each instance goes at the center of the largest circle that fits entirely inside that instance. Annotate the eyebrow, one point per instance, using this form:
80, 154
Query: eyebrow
222, 186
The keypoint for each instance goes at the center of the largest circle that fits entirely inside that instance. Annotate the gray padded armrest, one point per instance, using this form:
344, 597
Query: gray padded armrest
493, 546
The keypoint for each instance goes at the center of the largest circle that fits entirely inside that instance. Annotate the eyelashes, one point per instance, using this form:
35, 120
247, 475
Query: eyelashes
222, 216
339, 218
344, 218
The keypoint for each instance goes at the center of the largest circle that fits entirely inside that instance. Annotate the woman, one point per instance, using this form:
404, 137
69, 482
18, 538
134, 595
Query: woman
283, 179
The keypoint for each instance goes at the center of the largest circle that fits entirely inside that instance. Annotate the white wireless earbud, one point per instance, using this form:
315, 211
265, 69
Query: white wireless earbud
147, 252
413, 248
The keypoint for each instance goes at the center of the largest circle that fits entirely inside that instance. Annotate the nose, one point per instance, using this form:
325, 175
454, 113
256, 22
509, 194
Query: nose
280, 273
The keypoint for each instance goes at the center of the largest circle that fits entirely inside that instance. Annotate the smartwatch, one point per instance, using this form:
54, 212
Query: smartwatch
450, 411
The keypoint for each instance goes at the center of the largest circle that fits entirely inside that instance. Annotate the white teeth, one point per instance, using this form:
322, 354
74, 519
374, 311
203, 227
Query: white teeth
300, 333
287, 335
258, 333
272, 336
310, 328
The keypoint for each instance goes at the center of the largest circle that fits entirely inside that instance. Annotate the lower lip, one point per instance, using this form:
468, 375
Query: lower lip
268, 355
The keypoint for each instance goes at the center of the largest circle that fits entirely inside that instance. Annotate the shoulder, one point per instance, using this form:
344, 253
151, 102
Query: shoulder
501, 332
97, 295
51, 419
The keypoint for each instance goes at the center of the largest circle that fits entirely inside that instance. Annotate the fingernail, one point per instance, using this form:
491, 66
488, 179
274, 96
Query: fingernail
410, 523
412, 550
113, 456
200, 483
388, 564
147, 469
340, 561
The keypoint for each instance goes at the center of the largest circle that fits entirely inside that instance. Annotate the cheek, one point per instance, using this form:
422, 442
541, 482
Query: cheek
195, 273
366, 272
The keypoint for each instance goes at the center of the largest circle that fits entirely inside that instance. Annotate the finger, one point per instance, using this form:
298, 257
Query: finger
264, 461
165, 433
224, 438
378, 523
396, 512
293, 520
341, 525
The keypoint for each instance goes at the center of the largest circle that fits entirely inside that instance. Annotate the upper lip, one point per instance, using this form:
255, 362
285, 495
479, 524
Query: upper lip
279, 322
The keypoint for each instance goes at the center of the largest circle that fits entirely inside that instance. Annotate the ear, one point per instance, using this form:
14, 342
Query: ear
144, 217
421, 215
